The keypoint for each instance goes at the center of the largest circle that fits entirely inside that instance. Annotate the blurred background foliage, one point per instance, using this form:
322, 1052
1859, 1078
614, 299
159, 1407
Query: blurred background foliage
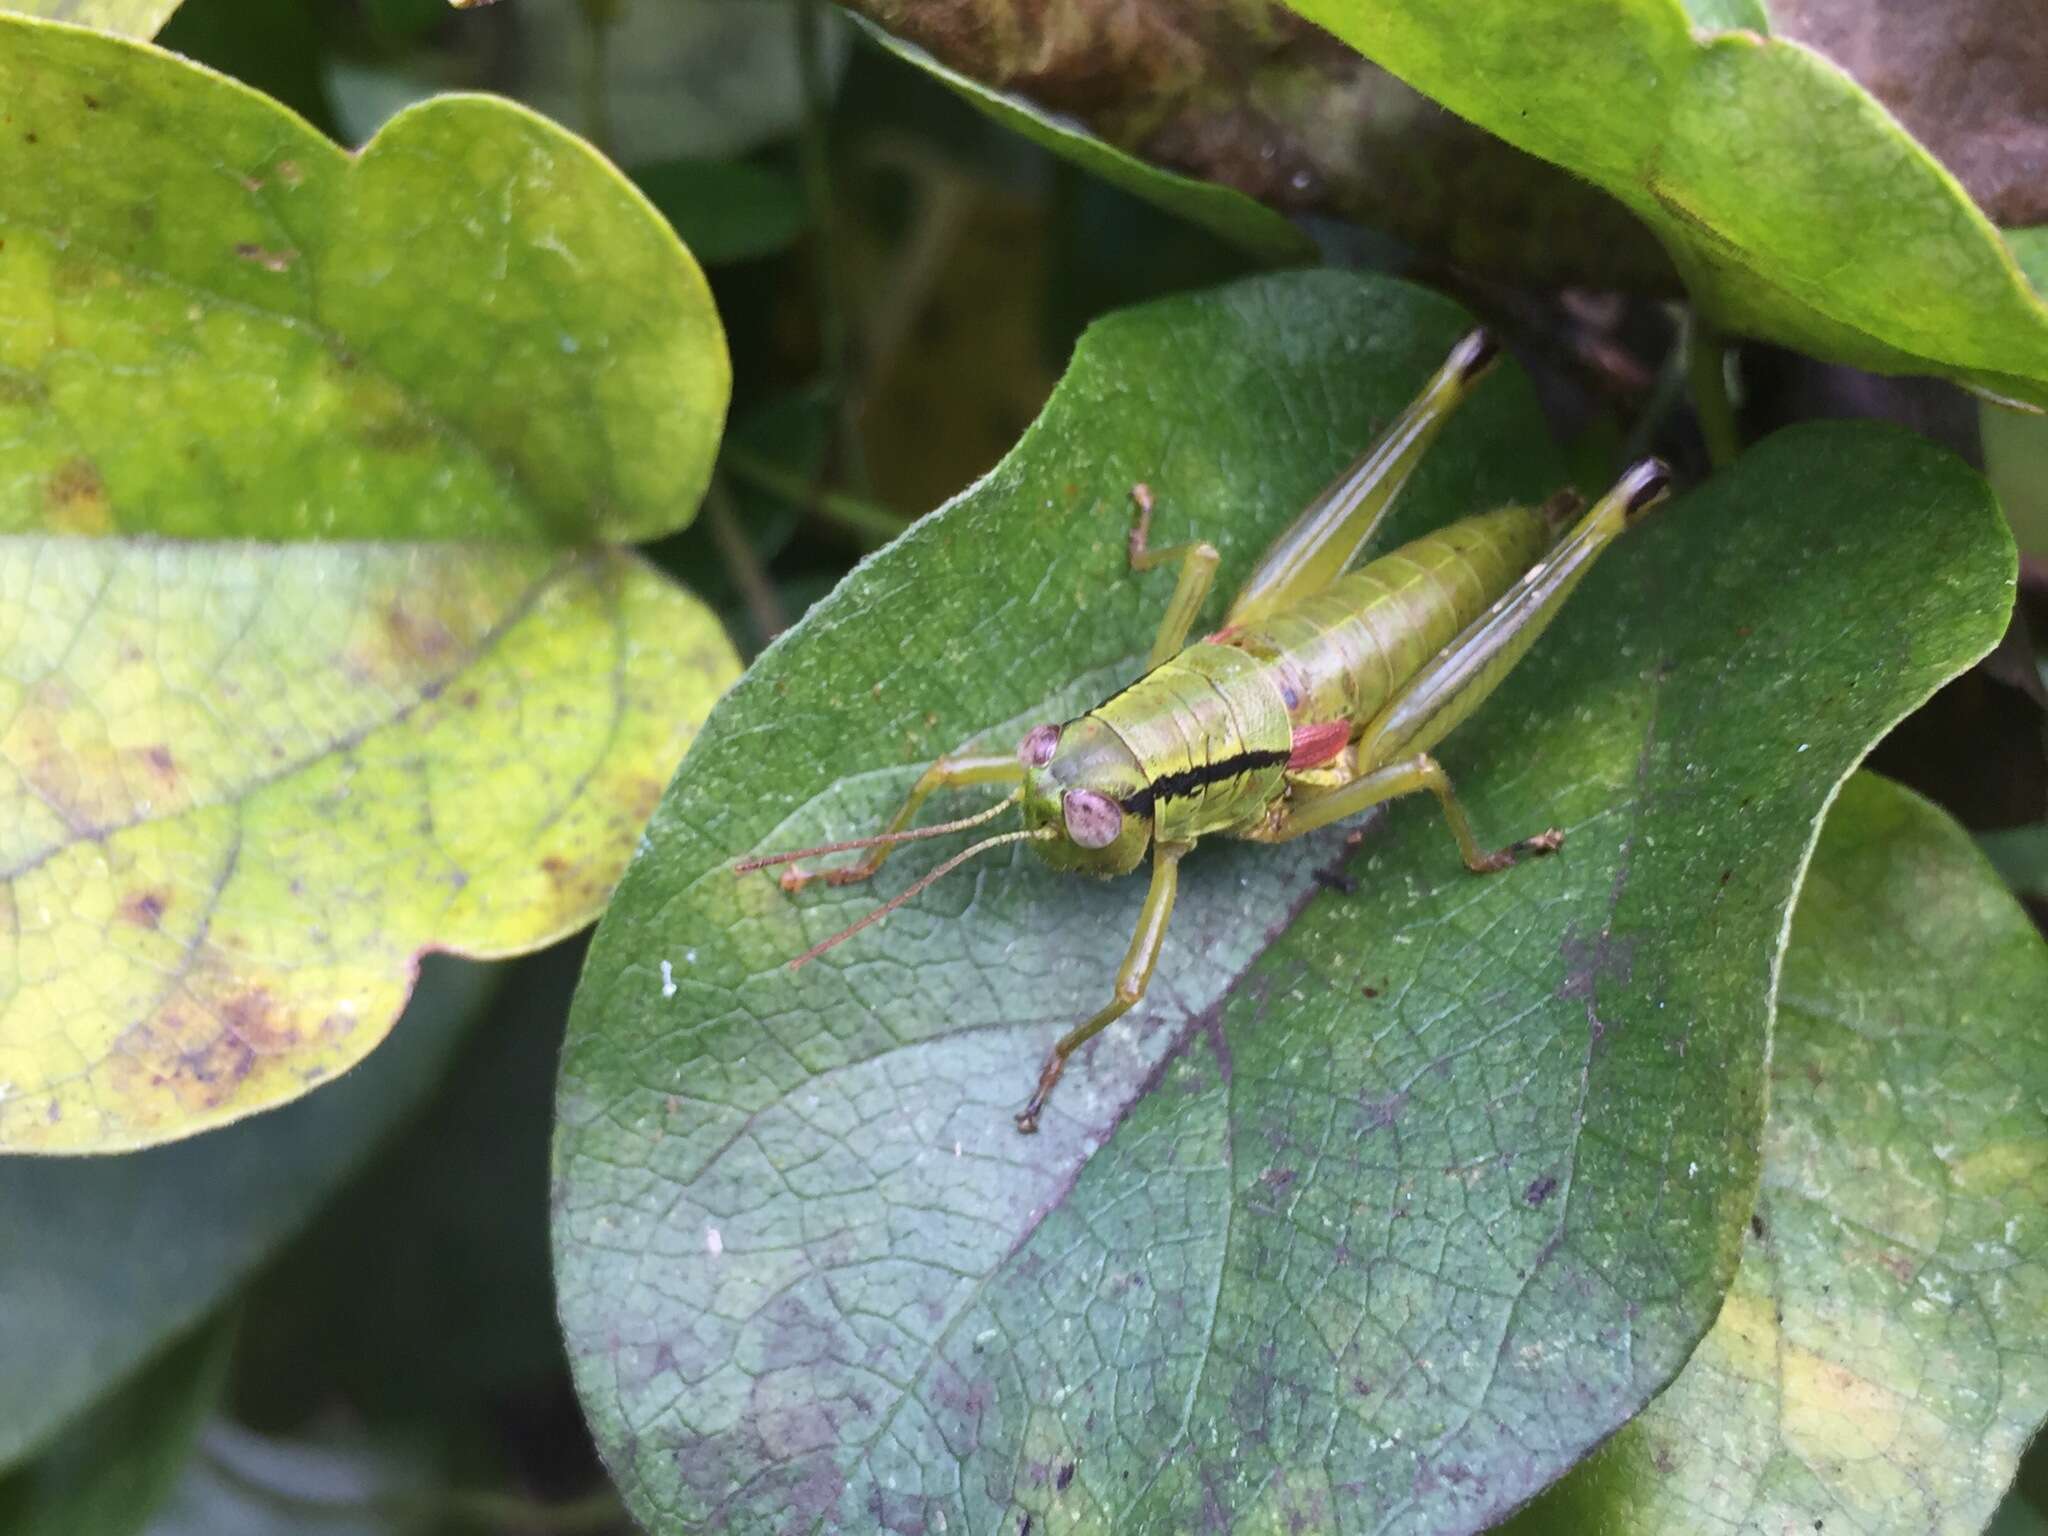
901, 278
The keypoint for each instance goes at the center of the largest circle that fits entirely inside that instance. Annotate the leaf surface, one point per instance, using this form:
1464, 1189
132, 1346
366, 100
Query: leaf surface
120, 1461
218, 324
1223, 211
1795, 206
1388, 1203
245, 785
1878, 1365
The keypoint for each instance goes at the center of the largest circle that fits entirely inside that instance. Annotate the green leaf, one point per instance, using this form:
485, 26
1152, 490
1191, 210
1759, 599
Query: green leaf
247, 785
1878, 1365
1722, 15
2030, 250
220, 325
1795, 206
110, 1260
726, 210
2016, 462
116, 1464
130, 18
1221, 210
1396, 1218
378, 1301
2020, 855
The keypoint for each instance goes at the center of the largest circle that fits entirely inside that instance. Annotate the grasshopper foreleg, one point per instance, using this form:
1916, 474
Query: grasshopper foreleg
1132, 977
946, 773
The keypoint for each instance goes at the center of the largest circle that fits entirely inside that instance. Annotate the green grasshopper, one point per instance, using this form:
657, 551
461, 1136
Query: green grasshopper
1320, 696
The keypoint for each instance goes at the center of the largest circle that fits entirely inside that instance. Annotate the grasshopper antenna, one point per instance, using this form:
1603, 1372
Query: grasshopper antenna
747, 866
1036, 834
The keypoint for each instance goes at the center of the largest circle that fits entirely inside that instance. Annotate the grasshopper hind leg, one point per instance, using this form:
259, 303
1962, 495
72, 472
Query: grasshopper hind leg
1307, 810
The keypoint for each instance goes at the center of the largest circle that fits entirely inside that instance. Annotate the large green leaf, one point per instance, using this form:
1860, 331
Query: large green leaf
1382, 1227
244, 786
109, 1260
1795, 206
1878, 1365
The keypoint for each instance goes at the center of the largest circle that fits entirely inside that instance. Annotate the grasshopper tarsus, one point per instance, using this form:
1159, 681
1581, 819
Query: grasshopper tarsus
1237, 735
1048, 1078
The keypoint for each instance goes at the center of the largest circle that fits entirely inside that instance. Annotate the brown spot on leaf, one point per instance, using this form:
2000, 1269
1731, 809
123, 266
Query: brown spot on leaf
414, 637
1539, 1191
145, 909
256, 1018
75, 498
267, 259
1064, 1476
161, 763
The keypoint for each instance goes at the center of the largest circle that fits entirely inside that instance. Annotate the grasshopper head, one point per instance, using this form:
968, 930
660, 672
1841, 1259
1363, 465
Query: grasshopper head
1080, 777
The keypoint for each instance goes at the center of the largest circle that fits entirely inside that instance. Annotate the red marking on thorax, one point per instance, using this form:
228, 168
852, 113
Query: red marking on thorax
1315, 745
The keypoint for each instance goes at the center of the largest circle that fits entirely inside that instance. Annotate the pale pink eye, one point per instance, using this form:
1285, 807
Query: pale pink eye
1093, 820
1036, 749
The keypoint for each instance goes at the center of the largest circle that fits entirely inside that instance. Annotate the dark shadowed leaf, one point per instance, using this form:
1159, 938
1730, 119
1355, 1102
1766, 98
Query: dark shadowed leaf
117, 1462
726, 210
2020, 855
108, 1260
1391, 1201
1219, 209
1878, 1365
1220, 111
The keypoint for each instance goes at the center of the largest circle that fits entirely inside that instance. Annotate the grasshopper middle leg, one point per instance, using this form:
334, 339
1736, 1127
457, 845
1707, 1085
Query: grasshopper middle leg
1198, 562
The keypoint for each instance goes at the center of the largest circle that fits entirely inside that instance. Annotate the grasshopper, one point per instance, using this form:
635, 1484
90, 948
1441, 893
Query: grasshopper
1320, 697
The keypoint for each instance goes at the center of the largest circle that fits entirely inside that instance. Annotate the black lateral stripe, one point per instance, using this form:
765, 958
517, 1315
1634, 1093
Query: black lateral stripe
1188, 780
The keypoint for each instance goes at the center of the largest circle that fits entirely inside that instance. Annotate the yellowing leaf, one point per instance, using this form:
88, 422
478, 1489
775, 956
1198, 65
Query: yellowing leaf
242, 788
214, 322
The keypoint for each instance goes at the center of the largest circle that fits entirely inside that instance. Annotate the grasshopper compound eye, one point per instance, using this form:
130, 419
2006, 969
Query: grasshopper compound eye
1093, 820
1036, 749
